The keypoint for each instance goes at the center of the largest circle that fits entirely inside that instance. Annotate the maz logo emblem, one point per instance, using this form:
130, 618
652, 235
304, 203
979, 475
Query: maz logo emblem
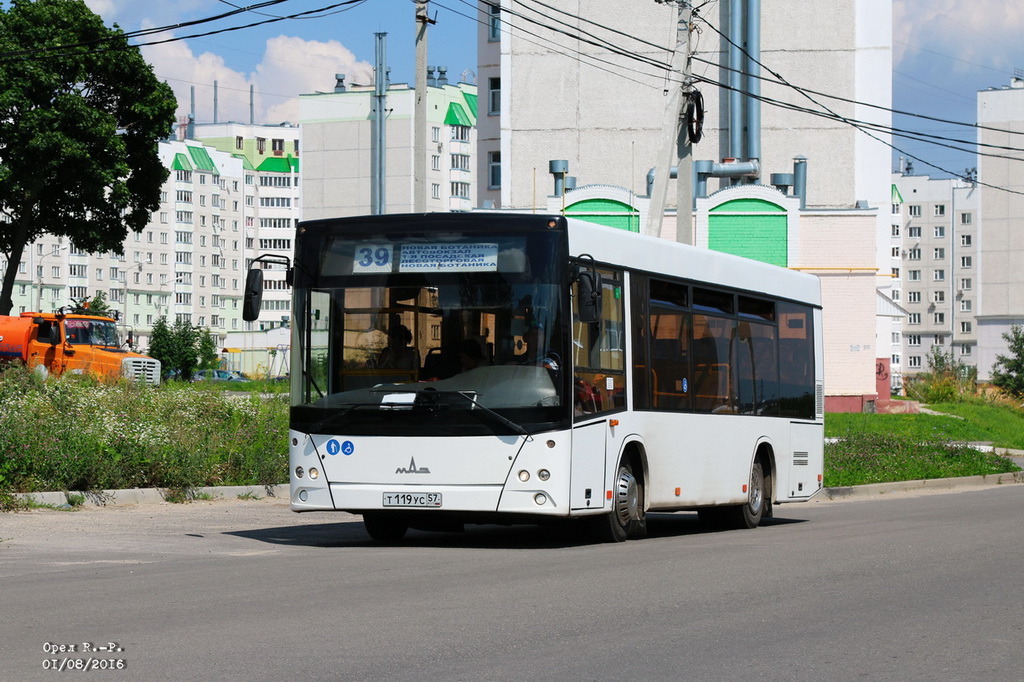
412, 468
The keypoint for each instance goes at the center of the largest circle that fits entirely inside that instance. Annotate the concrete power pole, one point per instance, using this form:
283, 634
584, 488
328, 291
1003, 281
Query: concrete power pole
378, 198
675, 145
419, 157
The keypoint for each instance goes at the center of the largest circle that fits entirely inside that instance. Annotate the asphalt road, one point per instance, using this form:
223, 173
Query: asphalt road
923, 587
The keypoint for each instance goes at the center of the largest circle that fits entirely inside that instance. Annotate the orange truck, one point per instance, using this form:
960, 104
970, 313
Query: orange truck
56, 343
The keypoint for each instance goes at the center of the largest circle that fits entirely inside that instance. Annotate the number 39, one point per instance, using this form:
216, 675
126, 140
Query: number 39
379, 256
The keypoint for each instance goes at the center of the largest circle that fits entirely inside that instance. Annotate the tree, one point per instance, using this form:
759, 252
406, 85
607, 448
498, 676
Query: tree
80, 116
209, 358
97, 305
161, 346
1008, 372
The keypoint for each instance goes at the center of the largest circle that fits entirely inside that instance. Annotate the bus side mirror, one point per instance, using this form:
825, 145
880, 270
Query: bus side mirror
253, 295
589, 289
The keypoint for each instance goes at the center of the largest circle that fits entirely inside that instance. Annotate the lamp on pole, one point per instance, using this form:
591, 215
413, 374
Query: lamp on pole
39, 274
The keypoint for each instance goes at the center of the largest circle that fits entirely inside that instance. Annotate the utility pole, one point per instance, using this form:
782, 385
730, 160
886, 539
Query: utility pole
419, 157
675, 145
380, 89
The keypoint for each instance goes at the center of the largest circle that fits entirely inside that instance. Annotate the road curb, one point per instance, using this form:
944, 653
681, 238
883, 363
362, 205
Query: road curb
876, 489
138, 496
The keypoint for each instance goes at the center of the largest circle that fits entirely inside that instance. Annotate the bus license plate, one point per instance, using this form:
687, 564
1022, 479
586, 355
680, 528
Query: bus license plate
412, 499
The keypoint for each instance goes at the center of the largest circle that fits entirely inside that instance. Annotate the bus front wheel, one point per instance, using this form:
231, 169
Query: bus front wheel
384, 527
627, 518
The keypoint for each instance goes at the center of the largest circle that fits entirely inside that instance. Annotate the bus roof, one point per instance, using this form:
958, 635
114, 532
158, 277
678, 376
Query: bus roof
661, 256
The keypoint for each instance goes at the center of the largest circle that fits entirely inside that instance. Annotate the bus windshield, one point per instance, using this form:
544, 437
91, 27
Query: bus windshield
436, 334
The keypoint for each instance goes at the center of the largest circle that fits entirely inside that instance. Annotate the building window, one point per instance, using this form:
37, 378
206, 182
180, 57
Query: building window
940, 210
914, 275
915, 211
965, 327
913, 339
965, 240
939, 296
914, 254
895, 273
914, 231
965, 349
895, 252
435, 162
494, 170
494, 23
895, 358
939, 276
460, 162
940, 340
965, 284
966, 261
914, 318
965, 305
895, 209
939, 253
895, 337
460, 190
277, 146
493, 96
239, 142
914, 361
965, 218
435, 134
895, 230
940, 318
435, 190
895, 294
460, 133
940, 231
913, 297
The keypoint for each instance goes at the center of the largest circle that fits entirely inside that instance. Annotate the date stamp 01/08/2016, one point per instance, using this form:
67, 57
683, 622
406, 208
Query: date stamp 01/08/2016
89, 656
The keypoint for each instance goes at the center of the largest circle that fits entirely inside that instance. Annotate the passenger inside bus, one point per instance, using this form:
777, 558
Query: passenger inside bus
399, 354
471, 355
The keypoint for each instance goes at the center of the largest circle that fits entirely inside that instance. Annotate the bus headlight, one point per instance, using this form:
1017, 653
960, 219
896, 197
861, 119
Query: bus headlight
314, 473
299, 472
543, 474
524, 475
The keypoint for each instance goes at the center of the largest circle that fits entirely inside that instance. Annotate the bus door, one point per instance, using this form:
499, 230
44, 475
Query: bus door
598, 390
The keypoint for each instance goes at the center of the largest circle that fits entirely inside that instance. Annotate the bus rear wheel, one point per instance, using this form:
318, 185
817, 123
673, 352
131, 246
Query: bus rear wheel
384, 527
627, 518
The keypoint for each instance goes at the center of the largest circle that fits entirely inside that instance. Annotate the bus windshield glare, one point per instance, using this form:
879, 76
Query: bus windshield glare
431, 334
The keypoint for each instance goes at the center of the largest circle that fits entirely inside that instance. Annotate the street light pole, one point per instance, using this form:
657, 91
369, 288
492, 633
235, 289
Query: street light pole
39, 275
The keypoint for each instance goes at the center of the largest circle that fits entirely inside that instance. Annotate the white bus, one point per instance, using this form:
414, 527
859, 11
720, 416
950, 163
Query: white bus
454, 368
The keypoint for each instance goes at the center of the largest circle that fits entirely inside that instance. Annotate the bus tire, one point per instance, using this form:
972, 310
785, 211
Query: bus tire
627, 518
749, 515
384, 527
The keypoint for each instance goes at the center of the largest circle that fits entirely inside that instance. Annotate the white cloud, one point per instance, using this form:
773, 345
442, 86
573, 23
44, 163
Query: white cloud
983, 32
289, 66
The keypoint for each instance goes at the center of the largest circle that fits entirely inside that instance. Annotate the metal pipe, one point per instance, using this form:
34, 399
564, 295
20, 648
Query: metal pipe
559, 169
214, 101
753, 83
379, 129
735, 79
800, 180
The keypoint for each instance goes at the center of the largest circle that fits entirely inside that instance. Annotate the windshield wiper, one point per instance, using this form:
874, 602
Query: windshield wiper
501, 419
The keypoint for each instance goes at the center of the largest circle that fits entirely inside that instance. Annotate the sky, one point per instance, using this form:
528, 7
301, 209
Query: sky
944, 52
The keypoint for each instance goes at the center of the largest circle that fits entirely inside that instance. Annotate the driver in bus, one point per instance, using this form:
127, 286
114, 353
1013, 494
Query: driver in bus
399, 354
533, 338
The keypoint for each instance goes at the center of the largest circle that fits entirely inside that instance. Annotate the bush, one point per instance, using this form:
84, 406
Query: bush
80, 433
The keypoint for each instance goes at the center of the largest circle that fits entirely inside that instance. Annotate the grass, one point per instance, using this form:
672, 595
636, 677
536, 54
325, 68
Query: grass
882, 448
78, 433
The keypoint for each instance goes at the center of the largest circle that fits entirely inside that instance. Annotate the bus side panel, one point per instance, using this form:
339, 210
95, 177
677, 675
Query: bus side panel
805, 461
589, 461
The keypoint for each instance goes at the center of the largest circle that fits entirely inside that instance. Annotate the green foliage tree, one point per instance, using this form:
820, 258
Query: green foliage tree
1008, 371
80, 115
161, 346
185, 348
209, 358
97, 305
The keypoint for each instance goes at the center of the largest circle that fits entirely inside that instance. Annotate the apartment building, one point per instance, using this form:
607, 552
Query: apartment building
937, 278
1000, 303
339, 145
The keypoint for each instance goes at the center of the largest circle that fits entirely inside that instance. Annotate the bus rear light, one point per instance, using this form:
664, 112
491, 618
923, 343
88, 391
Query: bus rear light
679, 491
314, 473
543, 474
524, 475
299, 472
